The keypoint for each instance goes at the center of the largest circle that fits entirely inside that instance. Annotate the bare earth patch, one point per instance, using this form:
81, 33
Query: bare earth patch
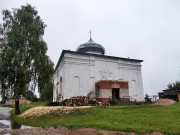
44, 111
65, 131
164, 102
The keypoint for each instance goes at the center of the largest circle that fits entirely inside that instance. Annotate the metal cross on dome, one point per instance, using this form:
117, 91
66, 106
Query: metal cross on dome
90, 34
90, 40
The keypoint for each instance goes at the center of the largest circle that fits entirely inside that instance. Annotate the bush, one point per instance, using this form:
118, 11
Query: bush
147, 99
30, 96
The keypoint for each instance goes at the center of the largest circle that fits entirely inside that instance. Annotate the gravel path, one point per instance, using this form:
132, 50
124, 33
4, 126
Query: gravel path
4, 113
65, 131
4, 116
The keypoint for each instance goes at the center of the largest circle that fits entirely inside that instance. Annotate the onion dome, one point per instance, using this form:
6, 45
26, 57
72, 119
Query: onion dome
91, 47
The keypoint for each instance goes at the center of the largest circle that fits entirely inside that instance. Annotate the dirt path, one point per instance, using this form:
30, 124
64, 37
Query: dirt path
4, 113
4, 117
65, 131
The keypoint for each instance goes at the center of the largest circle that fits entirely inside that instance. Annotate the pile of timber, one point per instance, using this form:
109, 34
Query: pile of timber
80, 101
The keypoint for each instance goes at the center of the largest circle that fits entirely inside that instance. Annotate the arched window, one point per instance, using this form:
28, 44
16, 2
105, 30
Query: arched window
134, 88
61, 85
76, 85
57, 94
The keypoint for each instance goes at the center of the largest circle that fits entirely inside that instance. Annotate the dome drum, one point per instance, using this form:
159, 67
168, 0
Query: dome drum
93, 50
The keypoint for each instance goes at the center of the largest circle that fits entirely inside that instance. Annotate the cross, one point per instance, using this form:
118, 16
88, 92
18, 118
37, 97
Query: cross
90, 33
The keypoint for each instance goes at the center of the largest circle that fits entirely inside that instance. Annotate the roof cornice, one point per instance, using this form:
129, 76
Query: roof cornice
89, 54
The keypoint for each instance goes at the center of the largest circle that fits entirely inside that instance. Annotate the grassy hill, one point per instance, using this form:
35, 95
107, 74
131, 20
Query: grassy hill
139, 118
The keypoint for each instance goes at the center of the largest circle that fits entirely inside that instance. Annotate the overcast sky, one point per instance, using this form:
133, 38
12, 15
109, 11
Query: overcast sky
148, 30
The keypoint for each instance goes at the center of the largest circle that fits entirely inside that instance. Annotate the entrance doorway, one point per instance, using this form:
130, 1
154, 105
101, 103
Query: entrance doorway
115, 93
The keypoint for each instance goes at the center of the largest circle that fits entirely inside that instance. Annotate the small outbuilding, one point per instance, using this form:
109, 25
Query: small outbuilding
170, 94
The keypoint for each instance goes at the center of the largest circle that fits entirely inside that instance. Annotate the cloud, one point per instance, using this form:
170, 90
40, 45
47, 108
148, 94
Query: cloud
147, 30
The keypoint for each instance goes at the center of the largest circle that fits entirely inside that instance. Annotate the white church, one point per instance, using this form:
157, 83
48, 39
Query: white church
89, 72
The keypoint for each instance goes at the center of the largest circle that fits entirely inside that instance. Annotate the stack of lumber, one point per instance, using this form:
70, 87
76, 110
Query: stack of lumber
79, 101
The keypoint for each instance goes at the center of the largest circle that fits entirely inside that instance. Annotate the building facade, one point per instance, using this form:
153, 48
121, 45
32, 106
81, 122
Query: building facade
88, 72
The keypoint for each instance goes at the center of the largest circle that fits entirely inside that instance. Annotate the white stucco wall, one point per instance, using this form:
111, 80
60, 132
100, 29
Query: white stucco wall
80, 73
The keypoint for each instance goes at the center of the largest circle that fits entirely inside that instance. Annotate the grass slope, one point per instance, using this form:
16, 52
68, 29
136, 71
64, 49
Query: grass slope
139, 119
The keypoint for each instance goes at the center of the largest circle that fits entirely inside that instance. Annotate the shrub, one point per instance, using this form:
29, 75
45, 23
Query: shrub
147, 99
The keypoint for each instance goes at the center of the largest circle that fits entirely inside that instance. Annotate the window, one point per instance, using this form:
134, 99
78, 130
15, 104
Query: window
61, 85
97, 92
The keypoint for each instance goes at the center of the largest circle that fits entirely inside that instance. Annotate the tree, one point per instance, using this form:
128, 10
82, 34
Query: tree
29, 95
47, 92
23, 60
175, 85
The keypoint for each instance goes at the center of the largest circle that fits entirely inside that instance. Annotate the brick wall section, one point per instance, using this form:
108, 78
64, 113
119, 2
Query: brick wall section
107, 84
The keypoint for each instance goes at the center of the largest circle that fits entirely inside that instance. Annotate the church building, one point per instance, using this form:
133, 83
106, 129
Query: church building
89, 72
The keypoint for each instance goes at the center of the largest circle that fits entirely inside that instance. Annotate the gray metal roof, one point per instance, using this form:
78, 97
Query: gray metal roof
91, 46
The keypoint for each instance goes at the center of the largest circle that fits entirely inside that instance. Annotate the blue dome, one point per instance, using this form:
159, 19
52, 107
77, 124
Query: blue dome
91, 47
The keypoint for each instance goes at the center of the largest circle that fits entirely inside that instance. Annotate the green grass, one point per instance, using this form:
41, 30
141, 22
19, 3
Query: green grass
139, 119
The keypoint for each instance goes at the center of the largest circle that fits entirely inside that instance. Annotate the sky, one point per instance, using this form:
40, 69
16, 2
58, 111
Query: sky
148, 30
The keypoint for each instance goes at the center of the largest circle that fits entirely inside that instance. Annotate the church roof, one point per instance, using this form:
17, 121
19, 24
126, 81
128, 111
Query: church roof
90, 54
91, 47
